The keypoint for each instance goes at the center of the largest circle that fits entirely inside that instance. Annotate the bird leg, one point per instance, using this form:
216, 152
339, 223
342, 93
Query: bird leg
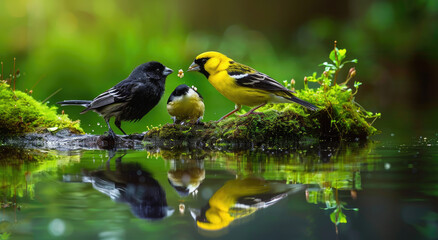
237, 108
199, 121
119, 125
111, 154
110, 130
176, 121
252, 111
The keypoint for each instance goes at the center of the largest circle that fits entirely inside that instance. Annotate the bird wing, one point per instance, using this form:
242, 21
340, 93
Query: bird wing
248, 77
262, 200
112, 95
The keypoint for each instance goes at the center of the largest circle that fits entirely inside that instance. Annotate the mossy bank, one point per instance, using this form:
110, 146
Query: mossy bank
21, 113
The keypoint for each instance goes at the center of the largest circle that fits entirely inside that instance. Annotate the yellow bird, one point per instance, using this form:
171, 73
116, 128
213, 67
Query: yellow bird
185, 104
242, 84
239, 198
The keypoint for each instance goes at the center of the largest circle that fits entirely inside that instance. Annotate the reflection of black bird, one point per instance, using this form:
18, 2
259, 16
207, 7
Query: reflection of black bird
130, 184
240, 198
185, 104
131, 98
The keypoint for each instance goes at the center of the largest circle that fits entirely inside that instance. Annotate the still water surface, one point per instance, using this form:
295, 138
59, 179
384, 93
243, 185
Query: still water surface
357, 191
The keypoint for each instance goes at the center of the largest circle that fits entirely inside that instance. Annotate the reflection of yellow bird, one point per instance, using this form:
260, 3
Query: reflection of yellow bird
185, 104
242, 84
239, 198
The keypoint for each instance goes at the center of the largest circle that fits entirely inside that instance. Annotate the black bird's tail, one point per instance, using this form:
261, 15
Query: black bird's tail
304, 103
84, 103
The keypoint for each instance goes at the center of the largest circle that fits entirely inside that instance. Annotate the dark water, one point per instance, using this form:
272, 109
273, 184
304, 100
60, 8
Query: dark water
357, 191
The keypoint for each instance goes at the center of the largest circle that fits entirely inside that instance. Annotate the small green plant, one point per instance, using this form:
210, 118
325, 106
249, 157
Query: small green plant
332, 69
329, 76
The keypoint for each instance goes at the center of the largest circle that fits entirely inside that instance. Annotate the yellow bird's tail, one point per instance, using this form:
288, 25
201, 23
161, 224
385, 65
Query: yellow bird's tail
303, 103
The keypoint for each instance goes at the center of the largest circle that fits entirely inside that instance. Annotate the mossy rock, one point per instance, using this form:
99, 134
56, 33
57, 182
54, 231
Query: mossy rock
21, 113
338, 118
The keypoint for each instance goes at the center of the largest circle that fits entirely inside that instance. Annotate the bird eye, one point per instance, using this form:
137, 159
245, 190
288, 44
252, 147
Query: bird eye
157, 70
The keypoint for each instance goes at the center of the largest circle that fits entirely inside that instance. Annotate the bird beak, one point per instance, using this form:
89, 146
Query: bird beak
167, 71
194, 67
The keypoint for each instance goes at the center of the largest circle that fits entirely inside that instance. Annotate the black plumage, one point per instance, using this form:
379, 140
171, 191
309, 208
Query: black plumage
131, 98
180, 91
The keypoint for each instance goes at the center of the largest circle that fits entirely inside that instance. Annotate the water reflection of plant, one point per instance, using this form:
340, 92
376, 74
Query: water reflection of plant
20, 170
4, 236
19, 166
330, 197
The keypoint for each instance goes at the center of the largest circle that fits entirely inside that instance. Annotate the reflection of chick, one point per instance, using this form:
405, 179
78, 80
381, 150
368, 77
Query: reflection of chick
185, 176
240, 198
129, 183
185, 104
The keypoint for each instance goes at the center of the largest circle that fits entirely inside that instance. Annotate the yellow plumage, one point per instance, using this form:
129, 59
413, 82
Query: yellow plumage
239, 198
240, 95
185, 104
186, 109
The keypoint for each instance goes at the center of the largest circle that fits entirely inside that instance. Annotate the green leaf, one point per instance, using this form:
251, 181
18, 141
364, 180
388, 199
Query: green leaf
350, 61
341, 218
357, 84
333, 217
327, 64
342, 53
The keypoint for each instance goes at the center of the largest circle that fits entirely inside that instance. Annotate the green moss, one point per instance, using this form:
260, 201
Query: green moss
20, 113
338, 117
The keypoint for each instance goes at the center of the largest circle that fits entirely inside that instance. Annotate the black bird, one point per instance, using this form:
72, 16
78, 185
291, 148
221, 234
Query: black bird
131, 98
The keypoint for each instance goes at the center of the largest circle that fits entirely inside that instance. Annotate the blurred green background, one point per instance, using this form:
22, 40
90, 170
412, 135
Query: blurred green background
86, 47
